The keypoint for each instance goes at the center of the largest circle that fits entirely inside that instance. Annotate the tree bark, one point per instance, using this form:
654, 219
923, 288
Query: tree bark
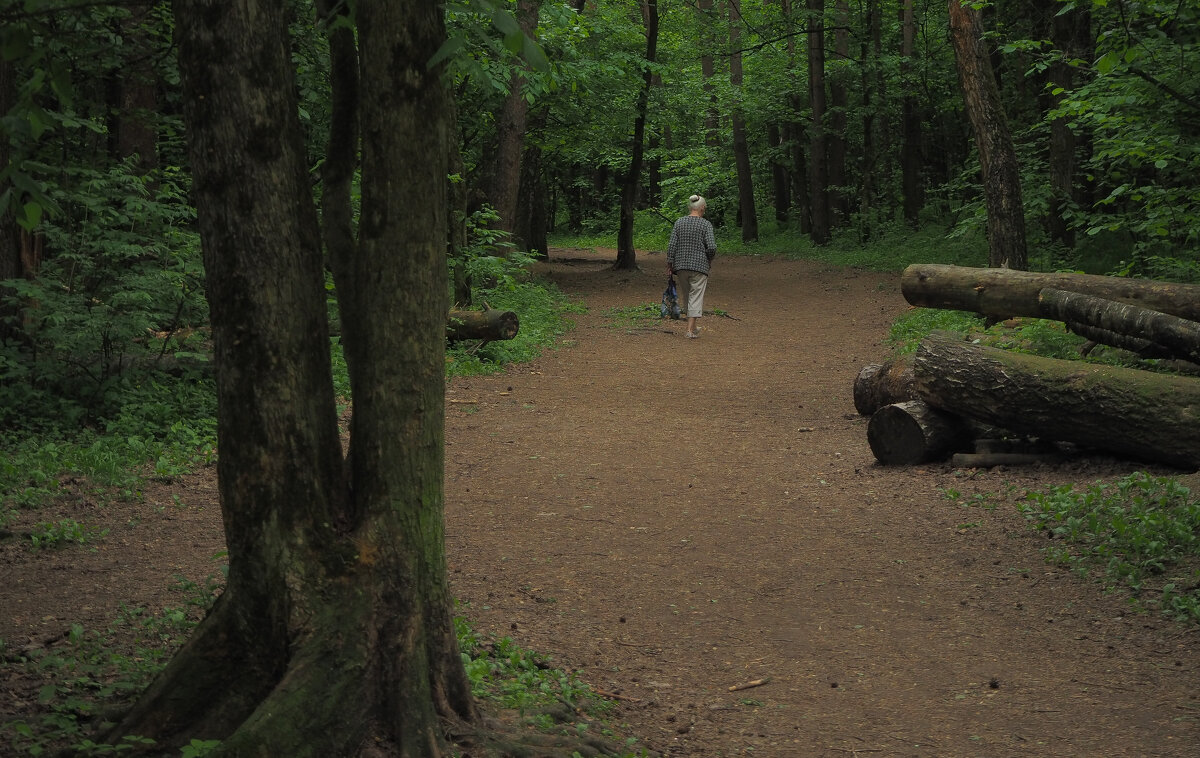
911, 159
1179, 336
1000, 293
997, 156
741, 150
482, 325
818, 156
839, 101
880, 384
505, 169
335, 629
1139, 414
626, 255
780, 182
913, 432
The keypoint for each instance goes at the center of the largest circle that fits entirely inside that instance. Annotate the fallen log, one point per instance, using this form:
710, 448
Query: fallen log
1180, 337
482, 325
880, 384
912, 432
1138, 414
1003, 293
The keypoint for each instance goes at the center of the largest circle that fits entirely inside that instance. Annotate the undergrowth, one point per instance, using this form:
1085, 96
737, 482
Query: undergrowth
1141, 533
83, 674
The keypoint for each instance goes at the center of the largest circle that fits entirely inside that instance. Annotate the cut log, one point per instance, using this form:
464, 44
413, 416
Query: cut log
482, 325
912, 432
1181, 337
880, 384
1138, 414
1003, 293
991, 460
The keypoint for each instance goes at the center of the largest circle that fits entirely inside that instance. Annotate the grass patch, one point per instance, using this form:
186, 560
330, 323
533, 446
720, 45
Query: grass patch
1141, 534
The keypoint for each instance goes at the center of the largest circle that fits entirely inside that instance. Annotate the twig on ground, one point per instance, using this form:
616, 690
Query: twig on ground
750, 684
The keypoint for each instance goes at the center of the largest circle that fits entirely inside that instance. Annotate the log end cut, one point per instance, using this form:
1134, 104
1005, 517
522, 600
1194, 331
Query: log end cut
912, 432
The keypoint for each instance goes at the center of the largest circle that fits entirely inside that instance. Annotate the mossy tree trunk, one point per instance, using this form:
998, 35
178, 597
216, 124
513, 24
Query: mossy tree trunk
334, 635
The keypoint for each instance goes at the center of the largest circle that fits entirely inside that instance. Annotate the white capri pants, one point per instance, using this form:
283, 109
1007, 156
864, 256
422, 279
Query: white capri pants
691, 291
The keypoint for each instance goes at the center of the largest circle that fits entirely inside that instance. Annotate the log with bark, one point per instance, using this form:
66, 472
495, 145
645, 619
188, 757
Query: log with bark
1139, 414
482, 325
1003, 293
880, 384
1160, 331
913, 432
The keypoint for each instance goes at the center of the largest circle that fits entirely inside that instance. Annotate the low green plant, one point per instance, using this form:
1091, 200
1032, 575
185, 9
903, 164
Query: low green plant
549, 699
63, 532
916, 324
1141, 533
631, 318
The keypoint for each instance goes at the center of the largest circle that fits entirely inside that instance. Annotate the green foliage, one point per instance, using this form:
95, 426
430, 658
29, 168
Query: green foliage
916, 324
119, 304
88, 674
1141, 533
66, 531
500, 279
550, 699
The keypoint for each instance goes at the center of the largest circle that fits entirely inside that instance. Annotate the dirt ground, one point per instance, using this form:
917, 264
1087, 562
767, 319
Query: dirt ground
673, 519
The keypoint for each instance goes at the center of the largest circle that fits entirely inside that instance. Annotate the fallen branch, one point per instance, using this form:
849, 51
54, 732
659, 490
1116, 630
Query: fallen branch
749, 685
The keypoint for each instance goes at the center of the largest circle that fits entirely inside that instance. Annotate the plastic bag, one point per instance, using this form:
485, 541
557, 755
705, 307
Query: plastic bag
670, 300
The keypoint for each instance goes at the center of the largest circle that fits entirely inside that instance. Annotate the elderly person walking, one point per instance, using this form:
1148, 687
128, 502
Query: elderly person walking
690, 255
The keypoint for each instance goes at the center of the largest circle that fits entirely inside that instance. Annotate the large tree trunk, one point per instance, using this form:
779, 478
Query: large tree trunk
818, 157
626, 255
504, 171
997, 156
1180, 337
712, 116
334, 632
1001, 293
741, 150
1139, 414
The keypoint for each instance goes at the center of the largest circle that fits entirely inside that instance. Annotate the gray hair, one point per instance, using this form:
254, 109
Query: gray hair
695, 202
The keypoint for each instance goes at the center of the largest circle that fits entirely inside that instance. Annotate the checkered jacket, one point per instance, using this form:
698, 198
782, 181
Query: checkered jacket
693, 245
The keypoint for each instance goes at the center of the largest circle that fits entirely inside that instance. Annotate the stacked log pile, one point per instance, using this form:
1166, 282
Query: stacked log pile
942, 400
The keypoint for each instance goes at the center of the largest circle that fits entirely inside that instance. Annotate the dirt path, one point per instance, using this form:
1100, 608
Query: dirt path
671, 518
675, 517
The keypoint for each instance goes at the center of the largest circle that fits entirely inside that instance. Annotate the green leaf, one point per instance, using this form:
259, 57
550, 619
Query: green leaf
1107, 62
451, 47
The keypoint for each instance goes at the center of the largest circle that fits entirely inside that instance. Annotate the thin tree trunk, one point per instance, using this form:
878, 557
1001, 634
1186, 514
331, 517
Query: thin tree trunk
712, 118
780, 182
1071, 33
818, 157
626, 255
839, 101
911, 159
741, 150
997, 156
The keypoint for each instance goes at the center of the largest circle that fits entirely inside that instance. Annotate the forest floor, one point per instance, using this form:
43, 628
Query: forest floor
672, 519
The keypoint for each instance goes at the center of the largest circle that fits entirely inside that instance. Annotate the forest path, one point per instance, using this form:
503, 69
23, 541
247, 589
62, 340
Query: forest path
671, 518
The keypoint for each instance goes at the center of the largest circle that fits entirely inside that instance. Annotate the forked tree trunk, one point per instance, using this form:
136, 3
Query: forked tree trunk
334, 632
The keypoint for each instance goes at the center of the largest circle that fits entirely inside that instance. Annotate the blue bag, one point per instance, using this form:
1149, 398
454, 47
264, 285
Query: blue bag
670, 301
